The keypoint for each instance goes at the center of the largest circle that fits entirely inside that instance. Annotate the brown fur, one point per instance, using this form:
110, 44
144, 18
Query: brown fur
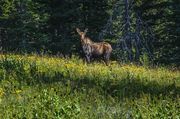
99, 49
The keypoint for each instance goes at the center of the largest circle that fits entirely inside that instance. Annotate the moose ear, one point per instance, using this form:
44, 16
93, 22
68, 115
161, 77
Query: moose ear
78, 30
86, 30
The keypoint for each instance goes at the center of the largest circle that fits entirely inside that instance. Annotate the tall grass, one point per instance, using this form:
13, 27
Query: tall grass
52, 87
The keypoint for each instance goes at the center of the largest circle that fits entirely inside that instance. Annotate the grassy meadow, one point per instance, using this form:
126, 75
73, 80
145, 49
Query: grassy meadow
34, 87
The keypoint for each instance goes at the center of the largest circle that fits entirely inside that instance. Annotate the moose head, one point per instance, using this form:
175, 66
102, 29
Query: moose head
82, 34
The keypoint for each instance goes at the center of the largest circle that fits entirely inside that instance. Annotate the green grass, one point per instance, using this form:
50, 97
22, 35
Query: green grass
33, 87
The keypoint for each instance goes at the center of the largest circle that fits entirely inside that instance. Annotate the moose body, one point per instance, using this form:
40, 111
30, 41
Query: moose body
91, 49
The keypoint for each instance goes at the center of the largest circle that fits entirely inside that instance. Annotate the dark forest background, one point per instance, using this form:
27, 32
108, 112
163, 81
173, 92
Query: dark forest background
48, 26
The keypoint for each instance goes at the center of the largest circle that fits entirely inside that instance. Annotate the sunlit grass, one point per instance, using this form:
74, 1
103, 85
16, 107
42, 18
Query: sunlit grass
56, 87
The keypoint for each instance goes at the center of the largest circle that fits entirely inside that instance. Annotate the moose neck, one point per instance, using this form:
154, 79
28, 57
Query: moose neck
86, 40
82, 37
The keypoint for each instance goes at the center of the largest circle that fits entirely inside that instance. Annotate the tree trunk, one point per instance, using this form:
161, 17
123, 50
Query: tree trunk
127, 30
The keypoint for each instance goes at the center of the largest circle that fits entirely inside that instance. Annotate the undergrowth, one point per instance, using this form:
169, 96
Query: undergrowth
33, 87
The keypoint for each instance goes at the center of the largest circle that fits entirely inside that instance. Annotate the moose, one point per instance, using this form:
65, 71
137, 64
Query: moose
91, 49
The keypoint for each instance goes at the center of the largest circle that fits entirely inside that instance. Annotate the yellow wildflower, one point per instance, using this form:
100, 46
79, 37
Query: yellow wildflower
18, 91
1, 92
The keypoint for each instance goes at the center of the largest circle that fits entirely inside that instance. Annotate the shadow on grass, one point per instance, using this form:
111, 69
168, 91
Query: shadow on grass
123, 88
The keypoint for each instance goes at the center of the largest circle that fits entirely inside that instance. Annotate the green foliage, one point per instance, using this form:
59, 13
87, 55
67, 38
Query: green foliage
23, 26
49, 26
163, 17
47, 87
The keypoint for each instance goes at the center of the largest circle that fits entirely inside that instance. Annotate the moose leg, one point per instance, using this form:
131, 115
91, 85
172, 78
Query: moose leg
106, 58
88, 58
